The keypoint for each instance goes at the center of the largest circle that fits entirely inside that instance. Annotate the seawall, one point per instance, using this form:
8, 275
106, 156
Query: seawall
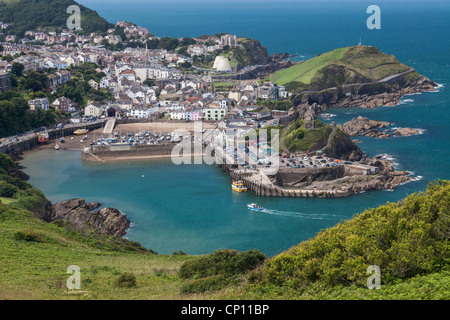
272, 190
32, 141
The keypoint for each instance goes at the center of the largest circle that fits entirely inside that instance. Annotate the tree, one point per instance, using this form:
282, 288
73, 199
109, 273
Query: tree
17, 69
150, 82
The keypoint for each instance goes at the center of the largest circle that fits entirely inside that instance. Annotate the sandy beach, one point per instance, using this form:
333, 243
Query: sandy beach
75, 142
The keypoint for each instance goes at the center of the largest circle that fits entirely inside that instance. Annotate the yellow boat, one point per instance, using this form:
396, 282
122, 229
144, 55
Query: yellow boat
81, 131
238, 186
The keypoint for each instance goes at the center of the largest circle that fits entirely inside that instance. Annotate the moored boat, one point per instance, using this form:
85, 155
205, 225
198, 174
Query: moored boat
255, 207
238, 186
81, 131
43, 137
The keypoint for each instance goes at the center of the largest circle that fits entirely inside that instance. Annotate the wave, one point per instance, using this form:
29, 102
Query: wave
328, 115
405, 101
420, 130
313, 216
387, 157
439, 86
390, 158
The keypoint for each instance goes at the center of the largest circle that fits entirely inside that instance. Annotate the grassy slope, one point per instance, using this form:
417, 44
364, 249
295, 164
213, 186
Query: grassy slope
362, 59
297, 138
366, 61
6, 200
37, 270
305, 71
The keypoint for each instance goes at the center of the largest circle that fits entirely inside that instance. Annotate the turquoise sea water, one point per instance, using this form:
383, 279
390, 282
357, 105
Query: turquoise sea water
192, 208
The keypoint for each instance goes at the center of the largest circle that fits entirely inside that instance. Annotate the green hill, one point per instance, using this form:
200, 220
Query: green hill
357, 64
303, 72
47, 15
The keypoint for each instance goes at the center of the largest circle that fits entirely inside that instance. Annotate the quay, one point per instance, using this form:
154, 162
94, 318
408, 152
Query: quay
29, 141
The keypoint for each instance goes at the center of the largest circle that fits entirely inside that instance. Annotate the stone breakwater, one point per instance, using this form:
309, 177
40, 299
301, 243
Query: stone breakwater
259, 188
336, 182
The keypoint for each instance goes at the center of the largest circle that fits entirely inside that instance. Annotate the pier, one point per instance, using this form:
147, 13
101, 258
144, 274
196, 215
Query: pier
256, 183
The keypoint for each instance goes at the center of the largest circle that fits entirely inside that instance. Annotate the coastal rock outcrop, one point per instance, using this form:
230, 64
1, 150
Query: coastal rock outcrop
340, 146
362, 126
404, 132
80, 214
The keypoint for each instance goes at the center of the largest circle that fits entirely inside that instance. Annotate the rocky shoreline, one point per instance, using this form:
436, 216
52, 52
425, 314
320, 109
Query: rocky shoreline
362, 126
84, 218
363, 95
80, 215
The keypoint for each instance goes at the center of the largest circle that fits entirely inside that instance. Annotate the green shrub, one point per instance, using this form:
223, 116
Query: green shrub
216, 270
7, 190
212, 283
29, 236
404, 239
126, 280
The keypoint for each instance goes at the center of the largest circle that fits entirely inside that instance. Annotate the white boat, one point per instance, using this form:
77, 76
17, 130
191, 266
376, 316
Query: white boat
56, 147
255, 207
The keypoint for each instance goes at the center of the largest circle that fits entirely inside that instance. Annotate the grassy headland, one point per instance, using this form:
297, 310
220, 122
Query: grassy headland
357, 64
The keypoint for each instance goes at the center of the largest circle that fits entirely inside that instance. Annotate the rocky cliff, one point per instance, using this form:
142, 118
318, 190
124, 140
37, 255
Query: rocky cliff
363, 77
342, 147
80, 214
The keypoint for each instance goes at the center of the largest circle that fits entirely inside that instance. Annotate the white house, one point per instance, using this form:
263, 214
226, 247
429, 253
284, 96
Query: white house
214, 113
93, 109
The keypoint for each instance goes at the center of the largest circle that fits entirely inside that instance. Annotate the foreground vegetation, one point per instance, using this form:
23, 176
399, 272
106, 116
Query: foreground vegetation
408, 240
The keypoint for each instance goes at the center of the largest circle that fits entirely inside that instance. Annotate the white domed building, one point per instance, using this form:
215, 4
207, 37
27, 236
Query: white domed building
222, 64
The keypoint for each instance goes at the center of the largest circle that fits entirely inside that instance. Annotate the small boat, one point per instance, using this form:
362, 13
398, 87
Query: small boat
62, 140
56, 147
43, 137
238, 186
81, 131
255, 207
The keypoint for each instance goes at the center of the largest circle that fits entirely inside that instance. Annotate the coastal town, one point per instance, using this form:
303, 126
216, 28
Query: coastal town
143, 82
152, 92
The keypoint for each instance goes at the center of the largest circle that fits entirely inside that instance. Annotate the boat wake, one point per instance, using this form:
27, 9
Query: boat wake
327, 115
312, 216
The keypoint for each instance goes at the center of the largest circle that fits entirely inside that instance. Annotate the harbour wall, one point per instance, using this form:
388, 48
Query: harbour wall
272, 190
121, 151
32, 141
